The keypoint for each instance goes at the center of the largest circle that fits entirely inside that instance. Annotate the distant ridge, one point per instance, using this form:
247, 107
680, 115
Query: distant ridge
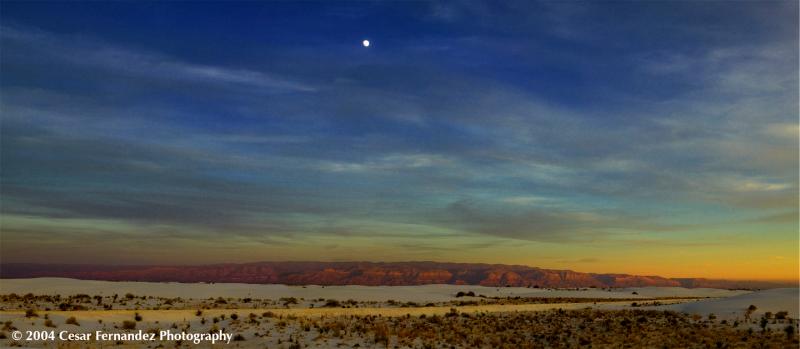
367, 273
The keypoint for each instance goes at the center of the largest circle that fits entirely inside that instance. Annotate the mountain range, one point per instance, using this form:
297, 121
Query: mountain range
366, 273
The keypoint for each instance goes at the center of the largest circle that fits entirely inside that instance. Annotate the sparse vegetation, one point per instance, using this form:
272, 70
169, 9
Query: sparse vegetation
459, 327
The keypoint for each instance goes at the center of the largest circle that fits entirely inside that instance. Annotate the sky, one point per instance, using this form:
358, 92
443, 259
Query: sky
655, 138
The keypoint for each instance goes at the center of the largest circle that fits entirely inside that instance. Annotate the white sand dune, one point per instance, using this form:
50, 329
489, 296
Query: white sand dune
774, 300
422, 293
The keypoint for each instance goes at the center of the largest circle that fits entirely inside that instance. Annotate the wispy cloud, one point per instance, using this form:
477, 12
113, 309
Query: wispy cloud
95, 54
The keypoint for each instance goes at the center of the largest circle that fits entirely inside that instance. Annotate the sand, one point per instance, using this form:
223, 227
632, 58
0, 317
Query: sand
422, 293
774, 300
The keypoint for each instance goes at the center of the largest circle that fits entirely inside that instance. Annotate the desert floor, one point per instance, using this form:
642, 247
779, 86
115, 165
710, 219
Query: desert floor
429, 316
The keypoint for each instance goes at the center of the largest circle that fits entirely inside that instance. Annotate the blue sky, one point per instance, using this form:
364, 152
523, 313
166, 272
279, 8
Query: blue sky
652, 137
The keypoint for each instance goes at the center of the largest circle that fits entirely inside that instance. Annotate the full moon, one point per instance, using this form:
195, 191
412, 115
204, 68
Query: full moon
365, 43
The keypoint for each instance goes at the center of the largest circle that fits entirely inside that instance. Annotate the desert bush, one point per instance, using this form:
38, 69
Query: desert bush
49, 323
749, 312
789, 332
137, 317
288, 300
381, 334
128, 325
72, 321
31, 313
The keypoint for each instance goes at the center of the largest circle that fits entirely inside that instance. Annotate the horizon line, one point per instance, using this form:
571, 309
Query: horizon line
397, 262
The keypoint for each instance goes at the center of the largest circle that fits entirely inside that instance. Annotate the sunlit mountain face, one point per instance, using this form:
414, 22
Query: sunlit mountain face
655, 138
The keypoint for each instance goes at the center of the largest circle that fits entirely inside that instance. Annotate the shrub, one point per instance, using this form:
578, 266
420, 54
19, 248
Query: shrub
288, 300
789, 331
49, 323
381, 334
137, 317
31, 313
72, 321
128, 325
238, 337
